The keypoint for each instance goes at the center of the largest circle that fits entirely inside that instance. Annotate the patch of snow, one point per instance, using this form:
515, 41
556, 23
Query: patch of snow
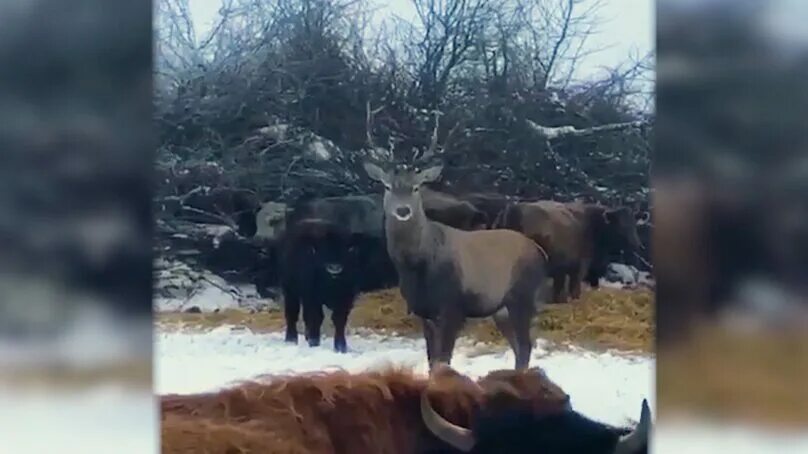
619, 275
609, 284
211, 299
277, 132
618, 272
319, 150
168, 304
217, 232
605, 386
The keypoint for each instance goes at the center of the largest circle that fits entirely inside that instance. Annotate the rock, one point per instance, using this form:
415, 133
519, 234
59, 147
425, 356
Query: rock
181, 288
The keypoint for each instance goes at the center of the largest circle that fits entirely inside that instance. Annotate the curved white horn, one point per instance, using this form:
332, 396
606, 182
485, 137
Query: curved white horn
456, 436
631, 443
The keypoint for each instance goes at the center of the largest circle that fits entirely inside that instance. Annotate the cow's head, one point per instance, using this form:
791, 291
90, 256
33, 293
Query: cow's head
271, 220
525, 412
327, 247
621, 225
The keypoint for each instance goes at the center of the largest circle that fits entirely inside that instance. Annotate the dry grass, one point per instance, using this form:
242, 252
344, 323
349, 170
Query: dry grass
759, 377
602, 319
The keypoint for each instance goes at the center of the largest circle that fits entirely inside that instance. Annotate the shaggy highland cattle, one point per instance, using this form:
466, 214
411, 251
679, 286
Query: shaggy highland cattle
392, 412
579, 238
446, 274
320, 268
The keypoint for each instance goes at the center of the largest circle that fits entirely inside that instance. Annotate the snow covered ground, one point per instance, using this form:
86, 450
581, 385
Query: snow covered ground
605, 386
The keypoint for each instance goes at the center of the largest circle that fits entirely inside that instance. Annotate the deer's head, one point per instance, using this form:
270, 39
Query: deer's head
402, 196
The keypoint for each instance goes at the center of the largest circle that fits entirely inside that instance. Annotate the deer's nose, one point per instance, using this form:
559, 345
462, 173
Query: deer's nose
403, 212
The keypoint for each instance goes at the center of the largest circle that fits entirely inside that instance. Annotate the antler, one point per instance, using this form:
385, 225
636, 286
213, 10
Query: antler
369, 114
433, 145
450, 135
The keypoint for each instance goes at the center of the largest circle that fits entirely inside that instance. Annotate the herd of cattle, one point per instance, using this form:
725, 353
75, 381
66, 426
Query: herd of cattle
480, 255
453, 258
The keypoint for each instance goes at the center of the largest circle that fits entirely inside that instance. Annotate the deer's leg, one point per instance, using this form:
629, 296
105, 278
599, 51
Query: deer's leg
291, 311
313, 319
430, 337
503, 322
448, 330
521, 327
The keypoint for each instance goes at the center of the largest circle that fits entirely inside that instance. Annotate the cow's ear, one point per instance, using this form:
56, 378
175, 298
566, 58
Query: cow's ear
376, 173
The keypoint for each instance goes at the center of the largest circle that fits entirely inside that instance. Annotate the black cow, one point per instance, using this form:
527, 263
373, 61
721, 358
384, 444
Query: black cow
362, 217
320, 267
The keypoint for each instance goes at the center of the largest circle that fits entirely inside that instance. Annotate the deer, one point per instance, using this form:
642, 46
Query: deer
447, 275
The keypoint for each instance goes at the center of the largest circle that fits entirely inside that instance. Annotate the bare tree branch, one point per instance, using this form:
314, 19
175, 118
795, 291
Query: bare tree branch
558, 132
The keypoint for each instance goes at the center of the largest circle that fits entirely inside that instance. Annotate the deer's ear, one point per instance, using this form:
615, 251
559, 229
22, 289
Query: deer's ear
377, 174
429, 175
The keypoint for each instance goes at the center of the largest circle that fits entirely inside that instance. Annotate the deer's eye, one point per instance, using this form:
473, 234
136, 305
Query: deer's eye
416, 188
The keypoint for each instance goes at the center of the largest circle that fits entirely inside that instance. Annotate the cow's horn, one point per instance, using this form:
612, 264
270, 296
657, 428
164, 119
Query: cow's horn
456, 436
633, 442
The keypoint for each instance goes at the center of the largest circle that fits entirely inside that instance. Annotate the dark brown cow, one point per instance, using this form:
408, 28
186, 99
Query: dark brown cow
578, 238
489, 203
452, 211
391, 412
